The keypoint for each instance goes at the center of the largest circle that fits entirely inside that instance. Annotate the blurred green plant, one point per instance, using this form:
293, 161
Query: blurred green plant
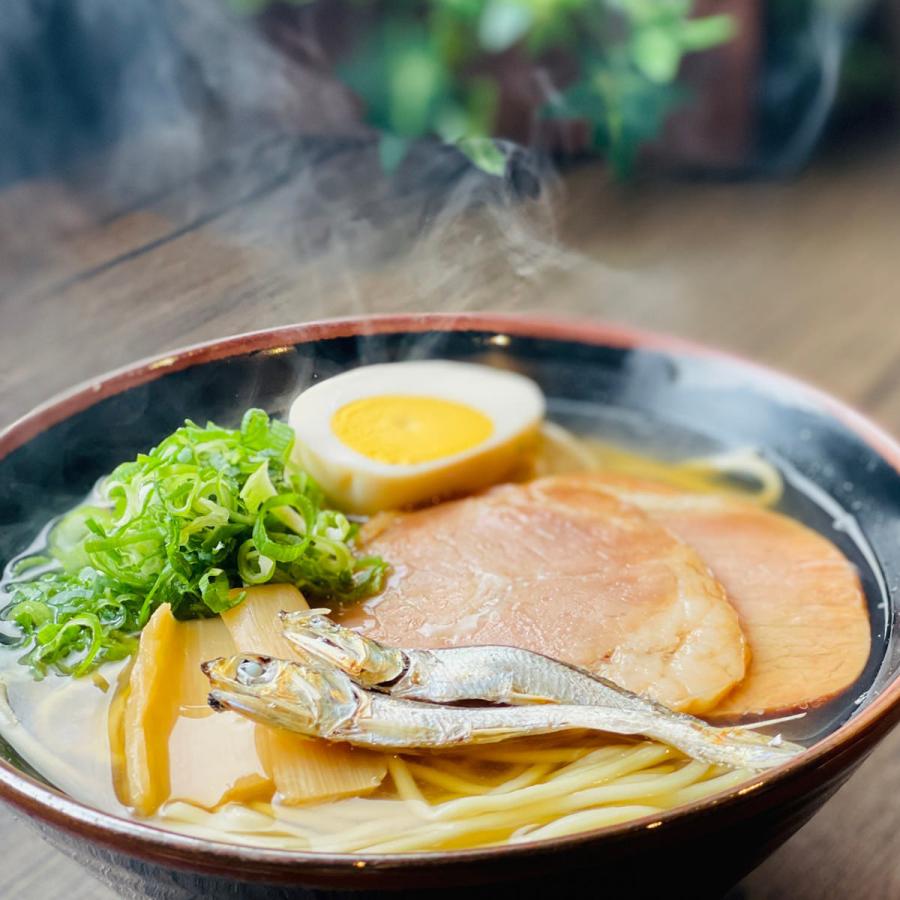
424, 67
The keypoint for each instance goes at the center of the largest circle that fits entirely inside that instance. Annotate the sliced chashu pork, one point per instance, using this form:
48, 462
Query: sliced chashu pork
800, 601
568, 571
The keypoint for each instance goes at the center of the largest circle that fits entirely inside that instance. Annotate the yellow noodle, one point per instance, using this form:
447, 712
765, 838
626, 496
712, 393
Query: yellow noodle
646, 775
604, 754
453, 783
233, 819
553, 807
528, 777
478, 828
442, 833
562, 783
744, 463
559, 755
618, 792
404, 782
604, 786
709, 787
741, 472
502, 818
455, 765
563, 451
451, 801
480, 771
350, 839
341, 814
585, 821
460, 779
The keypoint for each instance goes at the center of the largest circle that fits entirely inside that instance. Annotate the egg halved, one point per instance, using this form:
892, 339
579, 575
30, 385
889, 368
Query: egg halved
398, 434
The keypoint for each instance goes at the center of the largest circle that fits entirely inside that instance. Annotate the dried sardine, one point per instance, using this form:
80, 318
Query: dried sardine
322, 701
506, 675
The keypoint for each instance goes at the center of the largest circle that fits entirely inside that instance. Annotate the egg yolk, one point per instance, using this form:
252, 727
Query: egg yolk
405, 430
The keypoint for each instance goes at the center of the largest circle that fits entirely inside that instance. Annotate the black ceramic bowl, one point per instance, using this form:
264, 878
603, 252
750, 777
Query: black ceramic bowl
637, 388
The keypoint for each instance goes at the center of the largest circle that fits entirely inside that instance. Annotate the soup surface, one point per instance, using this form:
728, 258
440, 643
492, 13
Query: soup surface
681, 581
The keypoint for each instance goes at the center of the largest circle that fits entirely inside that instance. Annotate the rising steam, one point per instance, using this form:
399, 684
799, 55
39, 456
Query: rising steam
191, 119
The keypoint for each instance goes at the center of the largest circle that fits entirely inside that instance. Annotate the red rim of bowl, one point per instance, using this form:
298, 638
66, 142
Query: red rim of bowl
171, 848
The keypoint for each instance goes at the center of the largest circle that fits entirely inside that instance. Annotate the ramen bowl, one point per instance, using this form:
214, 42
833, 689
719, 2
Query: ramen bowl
646, 391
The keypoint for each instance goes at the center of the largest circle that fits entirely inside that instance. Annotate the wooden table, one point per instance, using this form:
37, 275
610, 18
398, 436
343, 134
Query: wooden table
802, 274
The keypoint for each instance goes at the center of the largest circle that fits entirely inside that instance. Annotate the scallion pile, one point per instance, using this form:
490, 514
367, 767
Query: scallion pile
207, 510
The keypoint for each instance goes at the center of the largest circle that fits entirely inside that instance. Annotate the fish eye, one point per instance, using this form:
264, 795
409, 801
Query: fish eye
252, 671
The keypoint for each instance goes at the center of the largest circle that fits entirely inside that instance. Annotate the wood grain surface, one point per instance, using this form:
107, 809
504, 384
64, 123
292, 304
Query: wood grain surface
803, 274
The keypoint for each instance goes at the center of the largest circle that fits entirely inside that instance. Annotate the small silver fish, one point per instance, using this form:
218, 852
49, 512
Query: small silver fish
324, 702
513, 676
368, 662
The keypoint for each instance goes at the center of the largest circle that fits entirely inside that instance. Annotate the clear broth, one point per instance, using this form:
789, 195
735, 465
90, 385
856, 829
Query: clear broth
38, 717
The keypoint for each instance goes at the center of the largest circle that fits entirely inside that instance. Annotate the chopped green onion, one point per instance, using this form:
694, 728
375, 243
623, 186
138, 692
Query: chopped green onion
207, 510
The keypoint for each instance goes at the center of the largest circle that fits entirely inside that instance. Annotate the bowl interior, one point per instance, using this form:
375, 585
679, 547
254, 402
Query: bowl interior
671, 402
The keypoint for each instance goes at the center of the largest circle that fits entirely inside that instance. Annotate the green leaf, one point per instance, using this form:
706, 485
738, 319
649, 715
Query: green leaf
415, 82
215, 590
27, 563
503, 23
67, 537
253, 567
624, 108
425, 68
703, 34
657, 54
484, 153
258, 488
